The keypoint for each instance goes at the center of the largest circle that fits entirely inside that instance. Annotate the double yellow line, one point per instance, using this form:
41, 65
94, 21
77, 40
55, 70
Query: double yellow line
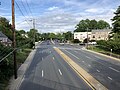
92, 82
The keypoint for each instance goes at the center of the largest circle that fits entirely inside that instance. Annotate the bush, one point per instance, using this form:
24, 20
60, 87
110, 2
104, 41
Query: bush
76, 41
110, 44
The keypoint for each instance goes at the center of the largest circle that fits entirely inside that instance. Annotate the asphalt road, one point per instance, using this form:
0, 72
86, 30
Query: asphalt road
105, 70
48, 71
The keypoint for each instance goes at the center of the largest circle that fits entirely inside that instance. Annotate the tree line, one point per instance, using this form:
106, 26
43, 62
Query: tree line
89, 25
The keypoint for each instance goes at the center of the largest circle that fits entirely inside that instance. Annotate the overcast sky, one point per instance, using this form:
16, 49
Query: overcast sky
57, 15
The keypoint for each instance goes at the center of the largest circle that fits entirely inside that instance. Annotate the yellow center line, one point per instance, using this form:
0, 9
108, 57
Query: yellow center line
92, 82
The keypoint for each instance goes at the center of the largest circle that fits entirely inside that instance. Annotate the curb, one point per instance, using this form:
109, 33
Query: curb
101, 54
15, 83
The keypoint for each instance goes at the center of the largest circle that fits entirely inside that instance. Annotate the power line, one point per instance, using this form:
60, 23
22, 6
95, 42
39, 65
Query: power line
22, 13
29, 8
24, 7
7, 55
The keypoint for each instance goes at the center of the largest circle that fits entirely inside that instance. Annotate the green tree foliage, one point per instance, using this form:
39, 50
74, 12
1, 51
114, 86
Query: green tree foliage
116, 20
61, 36
76, 41
68, 35
113, 43
31, 33
5, 27
88, 25
93, 24
102, 24
45, 36
52, 36
82, 26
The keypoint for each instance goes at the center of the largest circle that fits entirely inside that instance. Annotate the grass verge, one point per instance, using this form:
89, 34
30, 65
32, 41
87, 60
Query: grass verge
103, 51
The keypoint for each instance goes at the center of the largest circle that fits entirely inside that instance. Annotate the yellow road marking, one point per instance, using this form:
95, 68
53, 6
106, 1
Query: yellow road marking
92, 82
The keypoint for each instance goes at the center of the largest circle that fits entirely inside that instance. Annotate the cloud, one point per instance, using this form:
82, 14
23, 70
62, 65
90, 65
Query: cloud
52, 8
63, 15
92, 10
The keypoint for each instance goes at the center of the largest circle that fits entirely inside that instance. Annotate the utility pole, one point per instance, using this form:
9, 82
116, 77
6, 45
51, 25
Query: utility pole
14, 40
34, 31
87, 39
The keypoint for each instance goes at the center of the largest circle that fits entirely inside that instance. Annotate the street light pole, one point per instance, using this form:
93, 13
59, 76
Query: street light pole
14, 39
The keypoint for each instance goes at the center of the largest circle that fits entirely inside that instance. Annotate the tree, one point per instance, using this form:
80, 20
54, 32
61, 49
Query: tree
102, 24
88, 25
93, 24
116, 20
22, 32
52, 36
82, 26
45, 36
32, 33
5, 27
68, 35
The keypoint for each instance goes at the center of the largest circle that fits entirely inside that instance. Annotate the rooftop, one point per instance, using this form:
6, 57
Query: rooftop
3, 35
102, 30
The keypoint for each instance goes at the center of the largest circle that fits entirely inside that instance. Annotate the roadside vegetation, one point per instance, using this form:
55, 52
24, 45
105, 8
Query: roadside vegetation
24, 43
111, 46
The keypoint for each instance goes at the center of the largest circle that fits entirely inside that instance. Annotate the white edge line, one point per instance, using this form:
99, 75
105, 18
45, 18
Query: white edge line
114, 69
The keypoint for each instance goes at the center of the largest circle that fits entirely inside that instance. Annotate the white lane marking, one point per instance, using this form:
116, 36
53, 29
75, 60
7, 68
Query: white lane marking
42, 58
89, 65
53, 58
83, 61
98, 70
72, 54
50, 51
42, 73
110, 78
97, 57
114, 69
88, 57
60, 72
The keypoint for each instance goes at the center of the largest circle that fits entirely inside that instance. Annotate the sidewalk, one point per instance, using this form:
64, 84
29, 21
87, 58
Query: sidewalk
15, 83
